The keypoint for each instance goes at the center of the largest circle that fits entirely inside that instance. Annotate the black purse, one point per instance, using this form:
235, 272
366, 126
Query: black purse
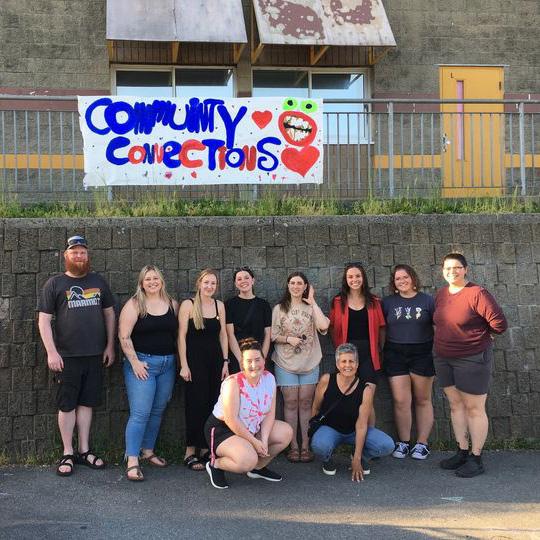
315, 422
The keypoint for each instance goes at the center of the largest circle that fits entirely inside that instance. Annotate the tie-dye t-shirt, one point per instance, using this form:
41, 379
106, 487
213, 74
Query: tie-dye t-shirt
255, 401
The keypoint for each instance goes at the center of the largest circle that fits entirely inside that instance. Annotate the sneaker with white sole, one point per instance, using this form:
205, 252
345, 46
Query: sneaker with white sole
365, 466
217, 476
329, 467
420, 451
401, 451
265, 474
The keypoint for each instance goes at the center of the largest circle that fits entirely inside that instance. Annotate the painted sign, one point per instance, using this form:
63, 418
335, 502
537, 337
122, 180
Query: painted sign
147, 141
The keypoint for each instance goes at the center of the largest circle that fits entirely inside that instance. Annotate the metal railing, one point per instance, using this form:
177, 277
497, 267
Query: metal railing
373, 147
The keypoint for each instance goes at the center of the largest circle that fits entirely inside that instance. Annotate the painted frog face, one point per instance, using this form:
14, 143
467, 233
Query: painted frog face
296, 126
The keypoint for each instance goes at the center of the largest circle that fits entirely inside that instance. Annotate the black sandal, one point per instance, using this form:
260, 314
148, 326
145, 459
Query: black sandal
139, 476
64, 462
85, 459
192, 461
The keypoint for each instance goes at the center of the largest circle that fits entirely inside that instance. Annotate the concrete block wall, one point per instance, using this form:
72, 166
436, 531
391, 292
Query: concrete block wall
503, 252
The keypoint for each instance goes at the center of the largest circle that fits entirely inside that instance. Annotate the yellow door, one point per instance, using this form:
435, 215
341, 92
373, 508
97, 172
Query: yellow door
472, 134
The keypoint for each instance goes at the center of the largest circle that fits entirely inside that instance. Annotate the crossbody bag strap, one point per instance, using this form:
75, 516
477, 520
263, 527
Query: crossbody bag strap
248, 314
336, 403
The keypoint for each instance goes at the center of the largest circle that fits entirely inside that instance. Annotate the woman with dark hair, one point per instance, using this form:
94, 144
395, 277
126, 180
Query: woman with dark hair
297, 355
356, 317
408, 358
247, 316
466, 318
242, 432
202, 349
147, 330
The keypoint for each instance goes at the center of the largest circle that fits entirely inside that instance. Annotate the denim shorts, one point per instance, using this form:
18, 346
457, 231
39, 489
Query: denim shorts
285, 378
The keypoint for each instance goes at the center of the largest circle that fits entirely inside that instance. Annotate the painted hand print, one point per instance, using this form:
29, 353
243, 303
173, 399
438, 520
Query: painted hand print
146, 141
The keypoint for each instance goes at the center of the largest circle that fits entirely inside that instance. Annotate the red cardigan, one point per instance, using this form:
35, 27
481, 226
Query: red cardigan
339, 321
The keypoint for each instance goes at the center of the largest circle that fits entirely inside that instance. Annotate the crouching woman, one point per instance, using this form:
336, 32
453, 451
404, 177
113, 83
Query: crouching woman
242, 432
346, 402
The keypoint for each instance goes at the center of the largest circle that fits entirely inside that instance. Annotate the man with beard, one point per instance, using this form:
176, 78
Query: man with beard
83, 341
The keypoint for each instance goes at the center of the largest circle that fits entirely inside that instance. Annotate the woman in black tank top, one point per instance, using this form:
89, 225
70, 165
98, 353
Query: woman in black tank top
346, 402
202, 348
147, 330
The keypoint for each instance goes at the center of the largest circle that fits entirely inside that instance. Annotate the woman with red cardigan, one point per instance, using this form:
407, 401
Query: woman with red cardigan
356, 317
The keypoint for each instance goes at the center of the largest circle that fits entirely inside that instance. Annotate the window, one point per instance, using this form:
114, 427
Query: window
170, 82
144, 83
344, 123
214, 83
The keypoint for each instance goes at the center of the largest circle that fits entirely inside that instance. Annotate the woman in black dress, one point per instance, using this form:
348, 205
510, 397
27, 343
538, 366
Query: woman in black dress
247, 316
202, 349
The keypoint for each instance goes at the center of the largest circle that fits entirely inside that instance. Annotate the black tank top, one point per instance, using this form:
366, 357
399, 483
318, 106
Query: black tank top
358, 328
156, 334
342, 417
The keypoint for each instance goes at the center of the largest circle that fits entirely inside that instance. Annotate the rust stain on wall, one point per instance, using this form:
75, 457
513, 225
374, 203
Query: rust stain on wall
292, 18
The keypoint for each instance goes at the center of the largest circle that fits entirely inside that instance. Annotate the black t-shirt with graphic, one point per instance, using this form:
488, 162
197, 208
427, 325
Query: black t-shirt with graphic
77, 304
409, 320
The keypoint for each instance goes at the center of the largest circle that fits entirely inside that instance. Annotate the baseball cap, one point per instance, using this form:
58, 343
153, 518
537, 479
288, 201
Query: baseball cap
77, 240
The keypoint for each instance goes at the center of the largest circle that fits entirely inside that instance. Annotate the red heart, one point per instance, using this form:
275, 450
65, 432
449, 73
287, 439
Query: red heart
300, 161
261, 118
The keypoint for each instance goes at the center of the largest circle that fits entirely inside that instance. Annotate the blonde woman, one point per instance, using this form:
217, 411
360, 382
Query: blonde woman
202, 349
148, 330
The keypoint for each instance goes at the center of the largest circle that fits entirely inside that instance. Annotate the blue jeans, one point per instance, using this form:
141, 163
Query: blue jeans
327, 439
147, 400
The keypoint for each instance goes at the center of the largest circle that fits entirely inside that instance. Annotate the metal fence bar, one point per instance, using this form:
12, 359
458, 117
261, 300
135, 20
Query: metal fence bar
522, 148
391, 148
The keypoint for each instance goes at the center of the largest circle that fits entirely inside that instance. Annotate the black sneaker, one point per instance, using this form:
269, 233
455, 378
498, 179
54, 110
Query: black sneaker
217, 477
365, 466
472, 467
266, 474
456, 461
329, 467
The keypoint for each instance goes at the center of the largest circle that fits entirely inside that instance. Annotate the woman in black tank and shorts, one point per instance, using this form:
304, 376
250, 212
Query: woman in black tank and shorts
202, 349
350, 399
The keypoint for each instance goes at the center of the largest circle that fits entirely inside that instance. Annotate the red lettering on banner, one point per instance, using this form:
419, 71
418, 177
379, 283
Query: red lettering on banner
190, 144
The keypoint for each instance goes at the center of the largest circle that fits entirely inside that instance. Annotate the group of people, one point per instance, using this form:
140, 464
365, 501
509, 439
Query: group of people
221, 352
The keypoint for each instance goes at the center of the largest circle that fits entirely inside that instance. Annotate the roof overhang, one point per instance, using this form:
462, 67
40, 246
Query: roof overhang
321, 24
176, 21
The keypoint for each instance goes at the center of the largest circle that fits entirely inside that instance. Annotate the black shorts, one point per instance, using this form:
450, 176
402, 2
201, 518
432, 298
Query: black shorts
80, 382
406, 358
216, 431
470, 374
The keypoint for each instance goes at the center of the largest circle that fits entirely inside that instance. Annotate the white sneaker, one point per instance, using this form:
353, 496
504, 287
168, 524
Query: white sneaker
420, 451
401, 450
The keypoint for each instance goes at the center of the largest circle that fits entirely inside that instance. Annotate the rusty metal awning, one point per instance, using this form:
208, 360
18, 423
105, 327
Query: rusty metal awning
323, 23
209, 21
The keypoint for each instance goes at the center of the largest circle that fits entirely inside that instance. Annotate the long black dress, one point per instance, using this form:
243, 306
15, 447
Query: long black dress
205, 361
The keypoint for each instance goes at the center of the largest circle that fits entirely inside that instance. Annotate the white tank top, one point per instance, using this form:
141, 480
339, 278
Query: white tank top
255, 401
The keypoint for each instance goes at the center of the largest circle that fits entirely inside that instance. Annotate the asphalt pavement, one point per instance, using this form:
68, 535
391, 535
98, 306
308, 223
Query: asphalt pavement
400, 499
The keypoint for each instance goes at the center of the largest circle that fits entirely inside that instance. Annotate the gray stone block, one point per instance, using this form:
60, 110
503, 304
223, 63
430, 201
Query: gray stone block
100, 236
209, 257
302, 256
275, 257
24, 261
150, 237
52, 238
170, 259
316, 235
22, 379
422, 254
118, 259
237, 235
317, 256
20, 404
252, 235
232, 257
9, 287
280, 235
21, 307
121, 238
208, 236
23, 427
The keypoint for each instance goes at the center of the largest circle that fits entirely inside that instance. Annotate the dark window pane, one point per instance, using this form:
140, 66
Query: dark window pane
218, 83
280, 83
144, 83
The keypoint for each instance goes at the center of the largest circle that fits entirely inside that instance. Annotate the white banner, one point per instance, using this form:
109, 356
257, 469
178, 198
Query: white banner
148, 141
